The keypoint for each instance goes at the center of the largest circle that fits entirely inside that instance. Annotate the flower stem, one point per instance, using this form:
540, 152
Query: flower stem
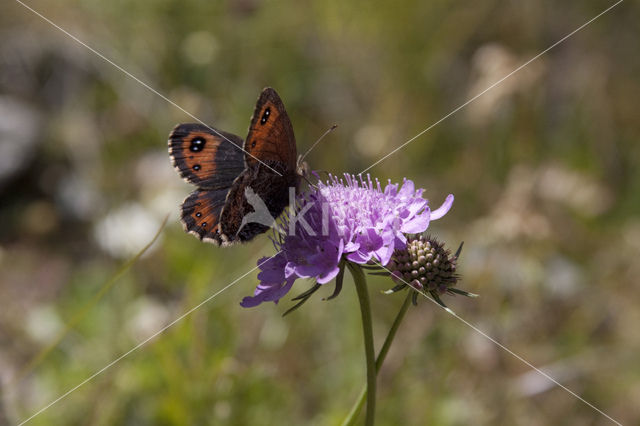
357, 407
365, 310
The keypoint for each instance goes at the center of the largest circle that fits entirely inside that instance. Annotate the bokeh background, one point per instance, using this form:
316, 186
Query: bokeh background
545, 169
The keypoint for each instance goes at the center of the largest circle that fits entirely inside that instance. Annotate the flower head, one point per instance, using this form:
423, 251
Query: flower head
426, 266
350, 218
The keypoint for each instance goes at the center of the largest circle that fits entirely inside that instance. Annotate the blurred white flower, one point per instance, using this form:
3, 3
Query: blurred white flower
146, 317
523, 209
43, 323
490, 63
160, 191
126, 230
576, 190
563, 277
19, 126
515, 214
532, 382
78, 196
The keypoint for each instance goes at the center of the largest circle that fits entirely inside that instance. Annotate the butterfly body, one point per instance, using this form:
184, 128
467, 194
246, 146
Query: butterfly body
233, 177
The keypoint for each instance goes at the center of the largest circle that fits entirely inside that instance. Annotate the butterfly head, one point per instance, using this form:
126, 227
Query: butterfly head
302, 167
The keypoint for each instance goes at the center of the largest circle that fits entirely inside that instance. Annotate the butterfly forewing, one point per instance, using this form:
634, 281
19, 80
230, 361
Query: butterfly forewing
271, 137
205, 158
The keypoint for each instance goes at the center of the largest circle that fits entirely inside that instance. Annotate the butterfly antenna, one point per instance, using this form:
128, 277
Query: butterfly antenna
318, 141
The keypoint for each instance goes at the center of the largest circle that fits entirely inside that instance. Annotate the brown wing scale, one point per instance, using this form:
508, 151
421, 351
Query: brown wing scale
271, 135
205, 158
201, 214
272, 189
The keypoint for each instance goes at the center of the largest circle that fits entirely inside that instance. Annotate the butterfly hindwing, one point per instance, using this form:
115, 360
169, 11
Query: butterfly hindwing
271, 135
201, 213
257, 196
205, 158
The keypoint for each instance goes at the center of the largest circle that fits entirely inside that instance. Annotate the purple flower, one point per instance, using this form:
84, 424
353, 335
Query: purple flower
349, 218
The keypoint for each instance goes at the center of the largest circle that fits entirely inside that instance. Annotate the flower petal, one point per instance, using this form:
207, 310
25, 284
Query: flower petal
351, 247
407, 190
272, 269
418, 224
327, 276
443, 209
359, 257
384, 254
271, 293
289, 269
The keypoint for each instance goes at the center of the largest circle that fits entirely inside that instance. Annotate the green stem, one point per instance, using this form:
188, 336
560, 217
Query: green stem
357, 407
365, 310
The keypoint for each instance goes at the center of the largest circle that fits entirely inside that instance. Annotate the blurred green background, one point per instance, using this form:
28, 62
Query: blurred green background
545, 169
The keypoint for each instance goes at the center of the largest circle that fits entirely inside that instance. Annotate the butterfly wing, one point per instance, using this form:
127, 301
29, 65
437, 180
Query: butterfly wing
212, 160
256, 198
201, 214
271, 139
205, 158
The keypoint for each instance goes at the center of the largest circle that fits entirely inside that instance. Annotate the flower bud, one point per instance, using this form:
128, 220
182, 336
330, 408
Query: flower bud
426, 265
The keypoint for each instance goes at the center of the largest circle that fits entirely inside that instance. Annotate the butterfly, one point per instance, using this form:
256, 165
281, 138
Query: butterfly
237, 179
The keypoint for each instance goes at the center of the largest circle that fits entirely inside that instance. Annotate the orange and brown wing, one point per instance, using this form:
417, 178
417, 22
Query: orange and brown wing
203, 157
271, 137
201, 214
